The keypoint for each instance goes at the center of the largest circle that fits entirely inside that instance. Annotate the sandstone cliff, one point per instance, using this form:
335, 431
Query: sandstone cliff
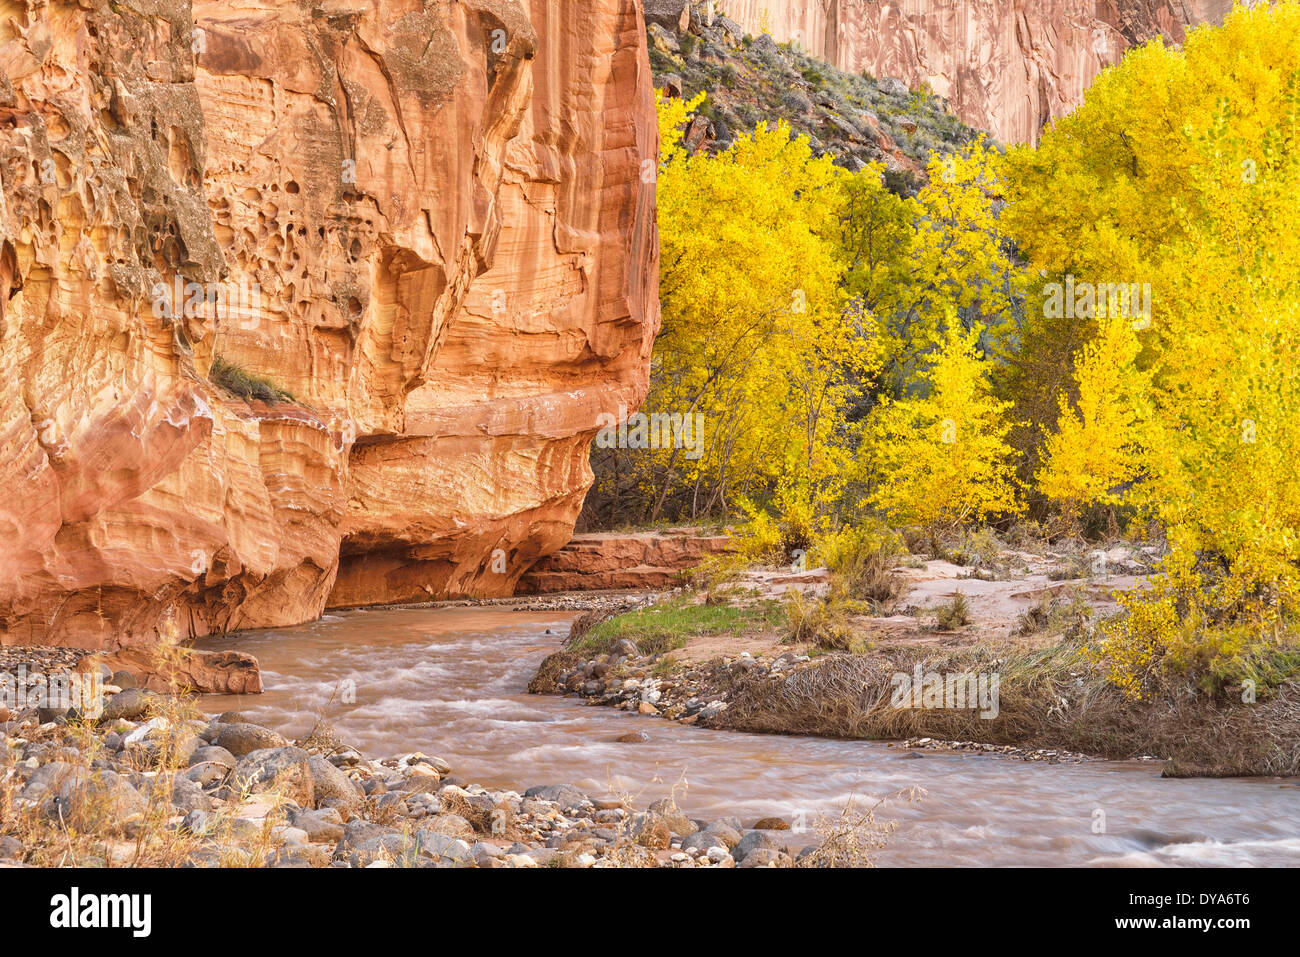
1007, 66
420, 227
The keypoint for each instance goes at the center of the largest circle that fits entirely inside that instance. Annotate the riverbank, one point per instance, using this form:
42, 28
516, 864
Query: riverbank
960, 658
157, 784
452, 682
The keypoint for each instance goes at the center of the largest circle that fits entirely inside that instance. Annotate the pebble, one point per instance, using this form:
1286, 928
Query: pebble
228, 795
1049, 755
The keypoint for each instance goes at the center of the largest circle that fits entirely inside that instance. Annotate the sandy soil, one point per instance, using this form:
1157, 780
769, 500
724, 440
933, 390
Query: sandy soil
996, 607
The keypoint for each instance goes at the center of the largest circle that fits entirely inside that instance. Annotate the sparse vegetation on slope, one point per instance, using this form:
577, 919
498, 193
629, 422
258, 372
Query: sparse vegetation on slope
855, 118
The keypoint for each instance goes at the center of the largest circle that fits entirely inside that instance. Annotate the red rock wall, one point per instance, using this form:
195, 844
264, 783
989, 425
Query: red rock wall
377, 172
1007, 66
555, 331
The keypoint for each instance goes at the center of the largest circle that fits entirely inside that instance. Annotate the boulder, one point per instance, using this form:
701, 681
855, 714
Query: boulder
364, 843
184, 793
672, 15
213, 755
599, 560
752, 841
443, 846
102, 801
566, 796
703, 840
766, 857
723, 831
205, 672
653, 833
329, 782
322, 826
667, 811
243, 738
129, 704
452, 825
46, 780
285, 769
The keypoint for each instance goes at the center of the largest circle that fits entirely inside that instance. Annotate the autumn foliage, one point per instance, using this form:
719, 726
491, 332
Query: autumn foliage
1191, 183
1102, 332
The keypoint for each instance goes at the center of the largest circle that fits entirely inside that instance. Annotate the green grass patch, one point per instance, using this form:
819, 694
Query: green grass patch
670, 624
244, 384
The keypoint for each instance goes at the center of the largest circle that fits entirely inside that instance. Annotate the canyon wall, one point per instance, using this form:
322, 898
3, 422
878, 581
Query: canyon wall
308, 303
1007, 66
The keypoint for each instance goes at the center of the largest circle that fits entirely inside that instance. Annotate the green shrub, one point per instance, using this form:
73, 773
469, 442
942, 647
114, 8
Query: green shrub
233, 379
954, 614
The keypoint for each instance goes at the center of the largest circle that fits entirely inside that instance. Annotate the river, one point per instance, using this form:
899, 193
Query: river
451, 682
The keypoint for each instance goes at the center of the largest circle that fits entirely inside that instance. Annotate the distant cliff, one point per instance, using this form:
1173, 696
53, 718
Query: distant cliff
1006, 66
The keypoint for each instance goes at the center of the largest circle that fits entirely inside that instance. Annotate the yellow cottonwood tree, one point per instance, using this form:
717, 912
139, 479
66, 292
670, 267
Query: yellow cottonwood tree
755, 336
1095, 455
1193, 185
941, 460
915, 262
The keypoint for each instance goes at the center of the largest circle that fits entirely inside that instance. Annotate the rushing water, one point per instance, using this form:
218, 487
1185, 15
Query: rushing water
451, 682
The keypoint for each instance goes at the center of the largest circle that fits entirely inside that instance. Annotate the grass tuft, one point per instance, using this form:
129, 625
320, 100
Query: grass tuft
244, 384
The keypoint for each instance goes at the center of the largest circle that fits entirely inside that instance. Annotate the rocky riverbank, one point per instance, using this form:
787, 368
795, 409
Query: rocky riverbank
702, 693
155, 783
996, 652
610, 601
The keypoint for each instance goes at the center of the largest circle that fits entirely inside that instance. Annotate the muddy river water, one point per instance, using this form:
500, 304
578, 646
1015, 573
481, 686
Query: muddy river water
451, 682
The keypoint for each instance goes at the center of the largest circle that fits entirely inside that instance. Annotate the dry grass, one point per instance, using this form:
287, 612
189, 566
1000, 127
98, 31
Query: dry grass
869, 575
864, 581
97, 833
1049, 698
851, 838
823, 623
242, 383
1067, 614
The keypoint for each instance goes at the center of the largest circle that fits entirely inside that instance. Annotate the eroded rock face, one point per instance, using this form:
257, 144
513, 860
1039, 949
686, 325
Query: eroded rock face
430, 232
1007, 66
493, 467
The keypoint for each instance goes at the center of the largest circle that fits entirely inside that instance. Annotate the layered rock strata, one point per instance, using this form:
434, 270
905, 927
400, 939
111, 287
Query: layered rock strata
616, 560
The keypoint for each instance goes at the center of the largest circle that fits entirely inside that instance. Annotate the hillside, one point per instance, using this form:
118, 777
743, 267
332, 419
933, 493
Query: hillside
749, 79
